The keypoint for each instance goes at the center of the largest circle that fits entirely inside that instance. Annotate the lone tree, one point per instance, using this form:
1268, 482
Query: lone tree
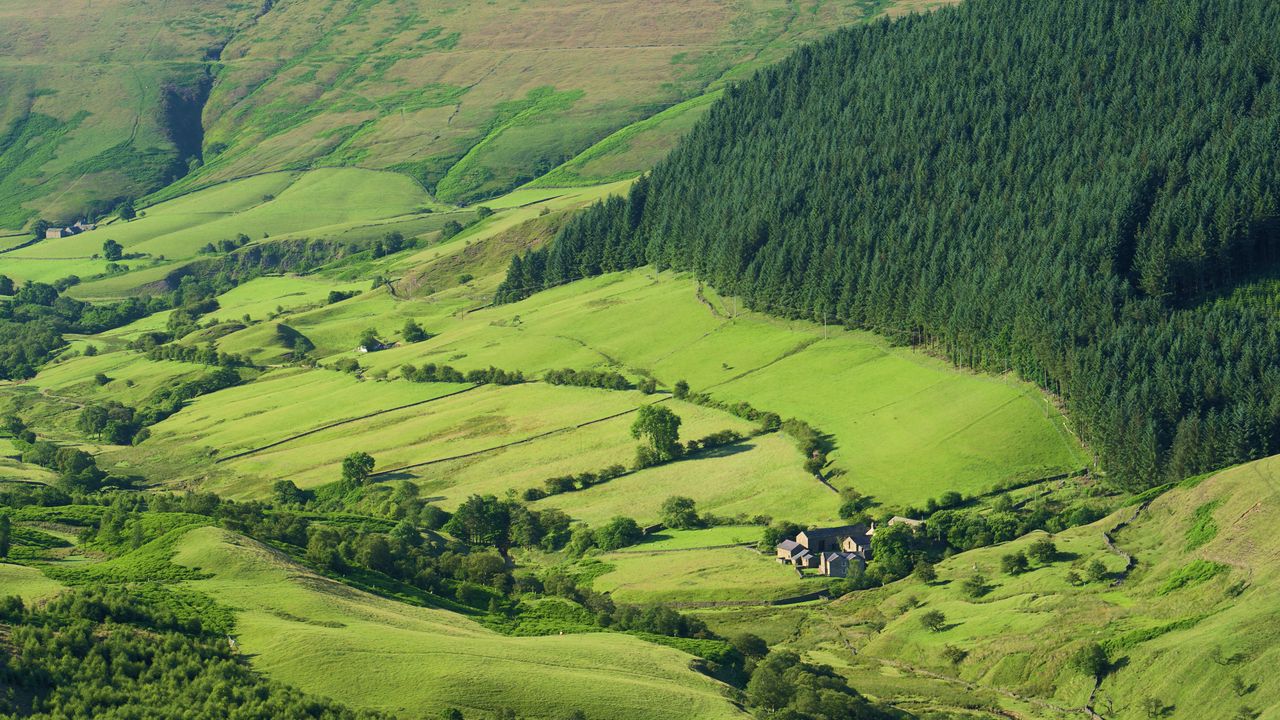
661, 428
369, 339
112, 250
4, 536
933, 620
1043, 551
925, 572
413, 332
1095, 571
1091, 660
356, 468
680, 513
1014, 563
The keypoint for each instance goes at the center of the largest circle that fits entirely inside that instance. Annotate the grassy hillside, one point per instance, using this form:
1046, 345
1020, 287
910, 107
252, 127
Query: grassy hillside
1191, 620
114, 99
325, 638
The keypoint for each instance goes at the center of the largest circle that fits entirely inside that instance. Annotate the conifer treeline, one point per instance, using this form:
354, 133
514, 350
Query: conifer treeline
1049, 187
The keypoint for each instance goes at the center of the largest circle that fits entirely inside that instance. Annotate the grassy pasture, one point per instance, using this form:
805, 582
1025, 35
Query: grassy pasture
318, 203
711, 537
759, 477
1020, 635
697, 575
906, 427
27, 583
589, 448
132, 376
325, 638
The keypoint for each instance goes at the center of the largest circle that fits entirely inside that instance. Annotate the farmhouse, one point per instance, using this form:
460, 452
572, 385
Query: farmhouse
848, 538
833, 551
75, 228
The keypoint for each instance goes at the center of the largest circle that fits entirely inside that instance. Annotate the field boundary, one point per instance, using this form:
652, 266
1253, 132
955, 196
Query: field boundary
504, 446
339, 423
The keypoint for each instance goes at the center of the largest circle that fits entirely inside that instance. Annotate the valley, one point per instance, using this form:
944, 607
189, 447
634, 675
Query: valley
507, 360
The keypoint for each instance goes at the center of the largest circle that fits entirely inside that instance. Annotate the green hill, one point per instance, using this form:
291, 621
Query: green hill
415, 662
968, 182
109, 100
1190, 621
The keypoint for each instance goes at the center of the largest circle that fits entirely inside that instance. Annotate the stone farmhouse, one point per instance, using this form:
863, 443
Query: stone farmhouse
834, 551
78, 227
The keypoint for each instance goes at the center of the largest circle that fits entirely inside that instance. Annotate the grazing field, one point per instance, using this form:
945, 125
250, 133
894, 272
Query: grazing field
326, 638
130, 376
27, 583
905, 426
760, 477
318, 203
300, 424
1168, 626
712, 575
711, 537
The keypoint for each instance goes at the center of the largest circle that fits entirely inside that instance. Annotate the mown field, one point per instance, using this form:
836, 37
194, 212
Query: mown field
326, 638
728, 575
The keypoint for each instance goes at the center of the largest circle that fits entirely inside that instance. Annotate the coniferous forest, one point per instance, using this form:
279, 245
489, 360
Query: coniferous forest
1083, 192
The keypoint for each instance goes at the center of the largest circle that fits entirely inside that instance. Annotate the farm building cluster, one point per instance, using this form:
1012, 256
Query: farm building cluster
834, 551
78, 227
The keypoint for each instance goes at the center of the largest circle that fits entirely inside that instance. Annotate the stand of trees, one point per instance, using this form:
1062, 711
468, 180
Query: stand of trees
101, 652
971, 182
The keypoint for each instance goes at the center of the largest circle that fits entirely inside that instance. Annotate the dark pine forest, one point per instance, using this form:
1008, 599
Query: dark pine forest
1082, 191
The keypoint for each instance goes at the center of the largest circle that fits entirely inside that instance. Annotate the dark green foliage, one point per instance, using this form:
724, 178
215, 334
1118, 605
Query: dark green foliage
450, 229
618, 533
1014, 563
206, 355
112, 652
112, 250
1009, 201
933, 620
6, 535
660, 428
784, 686
444, 373
1043, 551
413, 332
588, 378
1091, 660
680, 513
893, 550
356, 468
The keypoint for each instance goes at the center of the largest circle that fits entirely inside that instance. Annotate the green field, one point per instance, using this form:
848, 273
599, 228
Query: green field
326, 638
711, 537
319, 203
713, 575
759, 477
27, 583
906, 427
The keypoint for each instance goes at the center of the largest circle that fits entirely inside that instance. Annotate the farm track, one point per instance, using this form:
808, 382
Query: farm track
338, 423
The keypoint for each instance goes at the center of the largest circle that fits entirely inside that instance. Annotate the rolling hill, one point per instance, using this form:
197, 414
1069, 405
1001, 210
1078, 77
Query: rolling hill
469, 99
